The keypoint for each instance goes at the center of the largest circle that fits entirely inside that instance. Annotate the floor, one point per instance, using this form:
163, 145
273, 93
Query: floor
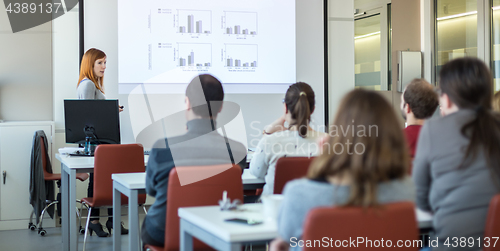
25, 239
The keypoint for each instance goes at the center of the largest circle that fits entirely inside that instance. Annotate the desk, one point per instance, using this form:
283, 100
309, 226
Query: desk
208, 225
70, 166
131, 185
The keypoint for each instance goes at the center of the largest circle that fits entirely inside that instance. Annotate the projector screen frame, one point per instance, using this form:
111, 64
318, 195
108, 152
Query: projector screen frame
81, 33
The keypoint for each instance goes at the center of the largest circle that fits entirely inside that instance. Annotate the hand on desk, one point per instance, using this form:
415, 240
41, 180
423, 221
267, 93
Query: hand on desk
279, 244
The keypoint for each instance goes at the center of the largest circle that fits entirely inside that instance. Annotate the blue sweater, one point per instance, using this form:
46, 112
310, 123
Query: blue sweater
304, 194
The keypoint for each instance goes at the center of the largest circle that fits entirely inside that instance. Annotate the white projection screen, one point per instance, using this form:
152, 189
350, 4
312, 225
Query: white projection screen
256, 48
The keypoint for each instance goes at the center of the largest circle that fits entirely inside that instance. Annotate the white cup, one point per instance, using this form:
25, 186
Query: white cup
271, 205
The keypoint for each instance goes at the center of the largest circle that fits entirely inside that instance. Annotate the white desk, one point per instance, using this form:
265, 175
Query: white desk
131, 185
208, 225
70, 166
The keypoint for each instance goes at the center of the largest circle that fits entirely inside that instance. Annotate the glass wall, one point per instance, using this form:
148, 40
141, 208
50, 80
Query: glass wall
495, 43
456, 30
367, 52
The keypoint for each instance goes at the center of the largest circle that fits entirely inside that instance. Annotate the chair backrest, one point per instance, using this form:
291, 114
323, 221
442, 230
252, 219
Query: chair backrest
394, 221
202, 193
109, 159
44, 158
492, 228
289, 168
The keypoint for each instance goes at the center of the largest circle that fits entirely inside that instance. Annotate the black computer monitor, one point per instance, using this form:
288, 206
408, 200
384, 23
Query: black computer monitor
97, 119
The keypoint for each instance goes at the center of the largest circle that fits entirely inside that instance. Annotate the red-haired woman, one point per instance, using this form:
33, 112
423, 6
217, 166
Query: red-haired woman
90, 86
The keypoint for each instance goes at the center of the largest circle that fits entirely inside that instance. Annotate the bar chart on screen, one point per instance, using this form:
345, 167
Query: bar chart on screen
240, 56
240, 23
194, 21
197, 55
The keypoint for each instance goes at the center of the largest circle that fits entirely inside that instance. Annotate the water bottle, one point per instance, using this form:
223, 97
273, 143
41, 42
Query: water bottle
86, 148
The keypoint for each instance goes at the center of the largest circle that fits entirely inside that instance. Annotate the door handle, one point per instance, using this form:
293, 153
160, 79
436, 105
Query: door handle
4, 174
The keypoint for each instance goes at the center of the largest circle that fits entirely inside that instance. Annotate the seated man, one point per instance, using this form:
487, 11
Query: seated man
418, 103
201, 145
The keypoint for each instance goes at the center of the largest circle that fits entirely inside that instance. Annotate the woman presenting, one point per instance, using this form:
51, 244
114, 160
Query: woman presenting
90, 86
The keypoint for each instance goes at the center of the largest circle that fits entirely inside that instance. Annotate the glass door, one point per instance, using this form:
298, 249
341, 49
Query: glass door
371, 49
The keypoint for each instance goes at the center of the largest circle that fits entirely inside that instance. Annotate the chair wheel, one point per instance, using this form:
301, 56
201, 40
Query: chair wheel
31, 226
42, 232
82, 230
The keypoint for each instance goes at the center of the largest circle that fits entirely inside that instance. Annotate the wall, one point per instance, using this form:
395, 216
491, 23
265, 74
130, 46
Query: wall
25, 72
405, 36
340, 52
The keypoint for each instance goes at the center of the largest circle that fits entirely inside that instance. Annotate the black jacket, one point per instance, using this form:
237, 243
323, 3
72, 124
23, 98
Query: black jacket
40, 190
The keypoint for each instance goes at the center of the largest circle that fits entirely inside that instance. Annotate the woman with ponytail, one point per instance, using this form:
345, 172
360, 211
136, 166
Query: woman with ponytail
457, 164
297, 139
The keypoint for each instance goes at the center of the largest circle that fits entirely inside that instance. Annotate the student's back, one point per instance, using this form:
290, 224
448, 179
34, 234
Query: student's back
363, 164
454, 169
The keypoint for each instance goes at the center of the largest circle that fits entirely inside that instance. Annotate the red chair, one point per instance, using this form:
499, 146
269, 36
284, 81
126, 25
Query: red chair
202, 193
109, 159
289, 168
395, 221
492, 228
49, 177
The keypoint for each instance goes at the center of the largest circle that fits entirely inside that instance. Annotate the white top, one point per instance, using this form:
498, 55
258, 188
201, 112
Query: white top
281, 144
211, 219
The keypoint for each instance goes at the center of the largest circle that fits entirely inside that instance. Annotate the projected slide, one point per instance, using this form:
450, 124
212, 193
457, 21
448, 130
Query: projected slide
165, 43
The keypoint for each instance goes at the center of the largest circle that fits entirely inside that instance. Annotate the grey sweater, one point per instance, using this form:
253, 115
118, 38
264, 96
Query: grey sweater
87, 90
459, 198
303, 195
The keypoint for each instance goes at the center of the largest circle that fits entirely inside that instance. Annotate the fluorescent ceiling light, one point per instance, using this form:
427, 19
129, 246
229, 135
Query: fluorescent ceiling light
457, 15
465, 14
367, 35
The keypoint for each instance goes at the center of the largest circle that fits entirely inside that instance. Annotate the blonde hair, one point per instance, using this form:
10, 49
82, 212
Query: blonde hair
87, 68
365, 121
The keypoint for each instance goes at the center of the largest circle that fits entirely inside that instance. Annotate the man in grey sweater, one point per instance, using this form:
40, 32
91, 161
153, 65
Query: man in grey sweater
201, 145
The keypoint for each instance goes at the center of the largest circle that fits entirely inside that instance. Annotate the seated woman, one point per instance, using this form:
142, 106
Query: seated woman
457, 165
363, 163
298, 140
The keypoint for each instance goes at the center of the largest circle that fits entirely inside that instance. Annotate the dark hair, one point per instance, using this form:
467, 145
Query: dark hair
421, 98
468, 84
299, 100
205, 93
369, 121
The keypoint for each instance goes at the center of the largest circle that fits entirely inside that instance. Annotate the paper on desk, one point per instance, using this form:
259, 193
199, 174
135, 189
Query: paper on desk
69, 150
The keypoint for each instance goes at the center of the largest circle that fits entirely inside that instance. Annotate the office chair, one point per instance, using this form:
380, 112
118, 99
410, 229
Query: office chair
109, 159
492, 228
289, 168
49, 177
394, 221
202, 193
